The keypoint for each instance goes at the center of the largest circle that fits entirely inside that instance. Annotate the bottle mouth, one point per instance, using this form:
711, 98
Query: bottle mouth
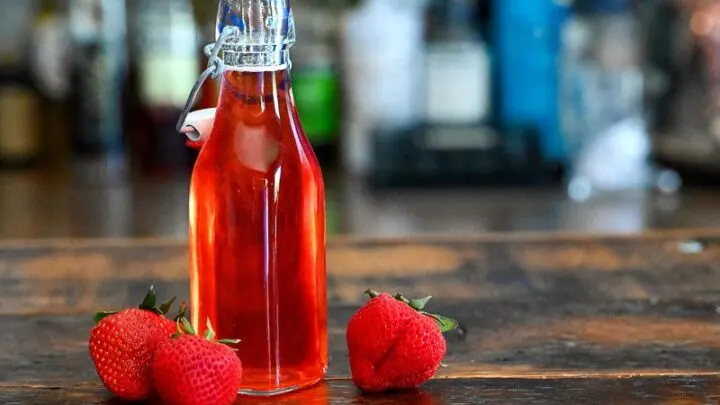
260, 22
265, 33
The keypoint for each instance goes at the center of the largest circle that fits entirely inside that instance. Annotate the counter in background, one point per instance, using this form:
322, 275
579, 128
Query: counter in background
33, 206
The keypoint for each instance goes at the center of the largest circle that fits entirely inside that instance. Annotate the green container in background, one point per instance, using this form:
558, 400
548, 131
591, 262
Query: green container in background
317, 97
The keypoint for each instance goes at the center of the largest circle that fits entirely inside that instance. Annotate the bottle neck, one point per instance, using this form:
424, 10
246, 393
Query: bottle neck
256, 89
272, 59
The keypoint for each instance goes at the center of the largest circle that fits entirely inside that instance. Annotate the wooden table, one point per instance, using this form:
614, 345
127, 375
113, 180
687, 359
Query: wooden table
546, 319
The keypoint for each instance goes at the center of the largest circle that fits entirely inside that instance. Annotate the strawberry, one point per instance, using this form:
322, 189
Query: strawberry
122, 343
394, 344
193, 370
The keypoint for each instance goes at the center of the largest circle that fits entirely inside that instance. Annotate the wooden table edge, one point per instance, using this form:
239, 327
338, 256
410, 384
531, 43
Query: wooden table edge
462, 376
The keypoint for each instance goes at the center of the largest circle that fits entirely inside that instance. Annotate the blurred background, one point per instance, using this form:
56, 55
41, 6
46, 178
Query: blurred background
428, 116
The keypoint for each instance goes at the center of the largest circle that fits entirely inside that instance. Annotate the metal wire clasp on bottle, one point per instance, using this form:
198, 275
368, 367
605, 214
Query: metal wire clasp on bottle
214, 69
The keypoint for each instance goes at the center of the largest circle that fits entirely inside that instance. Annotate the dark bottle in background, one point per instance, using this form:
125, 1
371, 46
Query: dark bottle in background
681, 68
166, 63
20, 137
98, 30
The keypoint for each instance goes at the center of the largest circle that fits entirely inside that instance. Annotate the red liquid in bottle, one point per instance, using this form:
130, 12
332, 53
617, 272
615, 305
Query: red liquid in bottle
257, 235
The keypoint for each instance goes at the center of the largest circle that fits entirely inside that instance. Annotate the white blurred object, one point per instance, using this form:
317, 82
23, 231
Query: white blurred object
458, 83
382, 43
613, 160
458, 67
51, 52
602, 105
167, 43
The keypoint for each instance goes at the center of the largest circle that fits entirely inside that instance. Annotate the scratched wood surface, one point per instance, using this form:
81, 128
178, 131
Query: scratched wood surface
544, 318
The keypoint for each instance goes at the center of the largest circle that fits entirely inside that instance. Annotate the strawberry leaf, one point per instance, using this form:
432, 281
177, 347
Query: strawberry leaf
445, 324
100, 315
165, 306
229, 341
209, 332
150, 300
149, 303
416, 304
187, 327
419, 304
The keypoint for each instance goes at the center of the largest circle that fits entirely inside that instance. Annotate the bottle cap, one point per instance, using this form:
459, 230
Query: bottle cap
266, 33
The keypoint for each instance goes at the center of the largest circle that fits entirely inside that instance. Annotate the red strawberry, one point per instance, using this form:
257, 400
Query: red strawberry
122, 343
193, 370
394, 344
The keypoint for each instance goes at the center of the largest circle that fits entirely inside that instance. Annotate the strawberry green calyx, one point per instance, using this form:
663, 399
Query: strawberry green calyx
445, 324
102, 314
372, 293
149, 303
185, 328
210, 335
416, 304
164, 308
182, 312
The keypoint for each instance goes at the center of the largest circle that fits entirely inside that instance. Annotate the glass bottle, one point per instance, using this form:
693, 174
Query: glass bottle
99, 38
257, 211
20, 104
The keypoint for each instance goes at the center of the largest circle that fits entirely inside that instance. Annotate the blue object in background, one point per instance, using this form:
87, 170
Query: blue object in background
527, 49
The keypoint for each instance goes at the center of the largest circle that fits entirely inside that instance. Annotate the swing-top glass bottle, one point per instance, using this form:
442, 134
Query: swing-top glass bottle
257, 211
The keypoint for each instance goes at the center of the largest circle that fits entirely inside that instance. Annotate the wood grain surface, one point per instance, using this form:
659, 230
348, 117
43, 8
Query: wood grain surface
544, 318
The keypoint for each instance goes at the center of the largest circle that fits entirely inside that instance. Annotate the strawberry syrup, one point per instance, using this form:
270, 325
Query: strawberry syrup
257, 235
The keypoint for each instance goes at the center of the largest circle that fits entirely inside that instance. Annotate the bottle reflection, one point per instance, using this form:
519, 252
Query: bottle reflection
412, 397
318, 394
328, 392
